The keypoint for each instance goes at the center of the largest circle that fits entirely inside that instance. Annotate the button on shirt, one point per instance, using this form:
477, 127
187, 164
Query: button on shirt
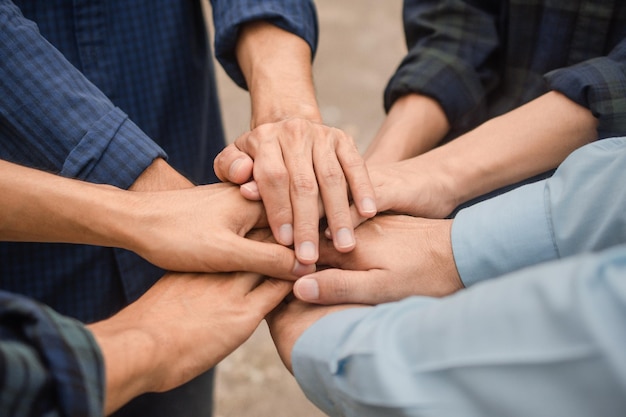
483, 58
96, 90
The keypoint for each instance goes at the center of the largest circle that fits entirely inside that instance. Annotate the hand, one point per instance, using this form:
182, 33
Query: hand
288, 321
419, 186
203, 229
296, 162
184, 325
397, 256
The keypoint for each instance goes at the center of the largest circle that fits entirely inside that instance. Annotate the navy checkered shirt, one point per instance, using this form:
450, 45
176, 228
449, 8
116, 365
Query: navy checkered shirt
97, 90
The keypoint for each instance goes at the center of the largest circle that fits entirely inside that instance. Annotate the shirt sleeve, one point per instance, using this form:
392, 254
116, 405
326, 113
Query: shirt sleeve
50, 365
52, 118
296, 16
546, 341
451, 55
579, 209
598, 84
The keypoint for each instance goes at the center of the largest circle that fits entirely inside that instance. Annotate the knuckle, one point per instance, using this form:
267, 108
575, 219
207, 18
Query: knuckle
303, 185
339, 288
274, 175
332, 175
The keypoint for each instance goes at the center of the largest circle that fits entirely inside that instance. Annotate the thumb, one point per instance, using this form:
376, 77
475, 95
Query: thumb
233, 165
337, 286
269, 294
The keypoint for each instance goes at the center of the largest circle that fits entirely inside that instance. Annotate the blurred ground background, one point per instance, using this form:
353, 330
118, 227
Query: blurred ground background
361, 44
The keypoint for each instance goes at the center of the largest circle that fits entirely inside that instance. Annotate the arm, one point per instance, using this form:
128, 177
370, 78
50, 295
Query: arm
55, 364
446, 75
294, 159
43, 96
579, 209
48, 363
184, 325
172, 229
527, 141
414, 125
543, 341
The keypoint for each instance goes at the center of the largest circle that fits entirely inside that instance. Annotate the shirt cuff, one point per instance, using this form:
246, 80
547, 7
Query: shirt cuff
295, 16
315, 361
114, 151
598, 84
503, 234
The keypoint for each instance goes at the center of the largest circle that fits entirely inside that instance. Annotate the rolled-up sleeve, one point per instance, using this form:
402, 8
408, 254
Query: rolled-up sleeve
296, 16
53, 118
50, 365
451, 46
598, 84
579, 209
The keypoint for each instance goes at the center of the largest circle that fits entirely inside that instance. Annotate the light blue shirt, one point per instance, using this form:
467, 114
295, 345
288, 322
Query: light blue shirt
546, 340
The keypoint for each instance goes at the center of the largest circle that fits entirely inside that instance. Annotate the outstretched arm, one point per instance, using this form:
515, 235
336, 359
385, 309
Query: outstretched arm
195, 229
293, 158
543, 341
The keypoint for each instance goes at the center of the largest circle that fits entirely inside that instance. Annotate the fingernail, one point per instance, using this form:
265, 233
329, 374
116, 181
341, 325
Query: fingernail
307, 251
327, 234
344, 238
285, 234
368, 205
301, 269
234, 167
307, 289
251, 186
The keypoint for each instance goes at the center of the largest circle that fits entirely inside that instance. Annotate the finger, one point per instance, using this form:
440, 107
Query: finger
357, 176
330, 256
250, 191
332, 184
269, 259
233, 165
304, 197
356, 219
269, 294
337, 286
272, 180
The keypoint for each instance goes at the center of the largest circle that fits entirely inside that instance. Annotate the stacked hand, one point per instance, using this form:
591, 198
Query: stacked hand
295, 163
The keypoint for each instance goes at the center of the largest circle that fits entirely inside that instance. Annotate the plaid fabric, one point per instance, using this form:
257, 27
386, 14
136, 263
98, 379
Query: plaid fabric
96, 90
482, 58
49, 364
301, 20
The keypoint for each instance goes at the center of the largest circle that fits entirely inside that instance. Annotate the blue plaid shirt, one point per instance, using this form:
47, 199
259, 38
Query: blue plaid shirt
49, 364
96, 90
483, 58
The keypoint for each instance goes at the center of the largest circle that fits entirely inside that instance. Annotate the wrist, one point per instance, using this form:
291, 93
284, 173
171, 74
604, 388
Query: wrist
415, 124
130, 361
160, 176
278, 71
445, 274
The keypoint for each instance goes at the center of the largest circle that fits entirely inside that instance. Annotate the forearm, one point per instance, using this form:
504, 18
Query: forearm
277, 67
130, 360
533, 224
55, 119
415, 124
450, 355
525, 142
42, 207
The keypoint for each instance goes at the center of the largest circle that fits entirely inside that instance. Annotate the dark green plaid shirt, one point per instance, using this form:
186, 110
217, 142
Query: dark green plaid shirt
483, 58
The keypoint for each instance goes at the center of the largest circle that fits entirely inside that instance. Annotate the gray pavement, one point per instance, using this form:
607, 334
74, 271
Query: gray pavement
361, 44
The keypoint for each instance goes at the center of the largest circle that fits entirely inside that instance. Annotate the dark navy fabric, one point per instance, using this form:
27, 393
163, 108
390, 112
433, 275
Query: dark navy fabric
96, 90
482, 58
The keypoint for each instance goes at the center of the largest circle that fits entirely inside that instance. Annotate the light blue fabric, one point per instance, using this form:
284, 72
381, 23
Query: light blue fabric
546, 340
581, 208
